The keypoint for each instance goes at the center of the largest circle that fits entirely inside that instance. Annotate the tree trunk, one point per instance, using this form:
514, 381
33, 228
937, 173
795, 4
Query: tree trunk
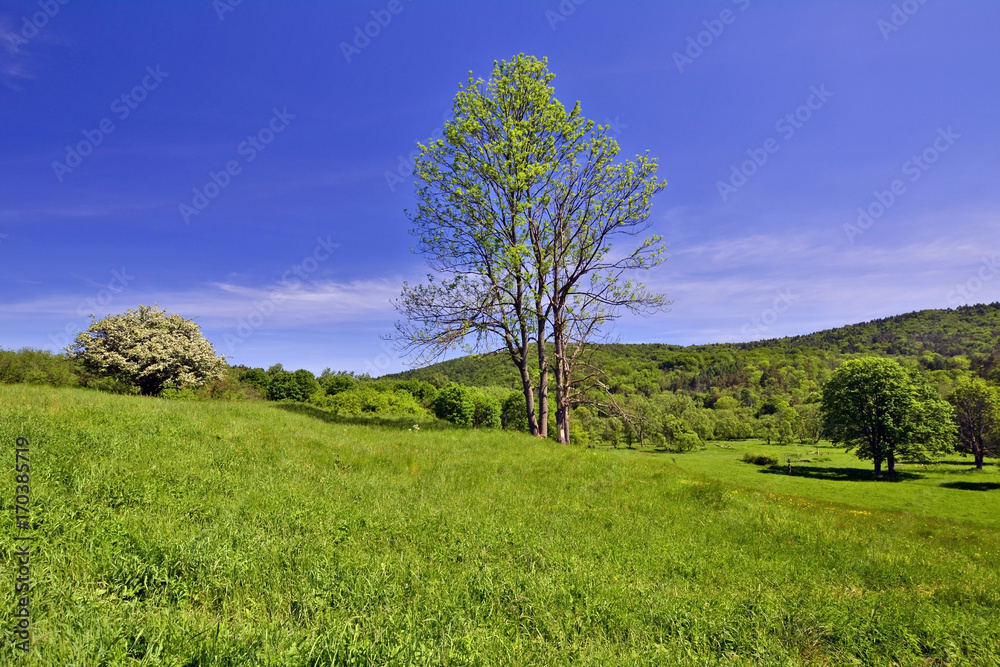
529, 397
562, 383
979, 458
543, 388
878, 467
892, 464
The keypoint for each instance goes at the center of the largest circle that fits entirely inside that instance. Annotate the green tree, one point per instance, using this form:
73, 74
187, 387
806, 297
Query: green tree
977, 413
876, 408
282, 386
481, 193
519, 205
256, 378
149, 349
305, 384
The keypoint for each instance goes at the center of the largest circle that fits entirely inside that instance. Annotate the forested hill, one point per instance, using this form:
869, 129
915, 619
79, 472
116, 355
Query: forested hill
965, 338
971, 331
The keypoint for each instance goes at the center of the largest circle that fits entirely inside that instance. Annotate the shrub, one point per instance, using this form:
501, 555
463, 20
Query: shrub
256, 378
112, 386
281, 386
761, 459
335, 384
486, 410
454, 403
27, 366
368, 401
297, 386
514, 412
424, 392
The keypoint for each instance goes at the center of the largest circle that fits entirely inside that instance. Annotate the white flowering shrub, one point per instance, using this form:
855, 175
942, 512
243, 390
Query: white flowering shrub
148, 349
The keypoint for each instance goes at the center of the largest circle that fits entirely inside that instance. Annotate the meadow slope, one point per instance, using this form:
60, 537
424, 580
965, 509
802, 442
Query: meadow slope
197, 533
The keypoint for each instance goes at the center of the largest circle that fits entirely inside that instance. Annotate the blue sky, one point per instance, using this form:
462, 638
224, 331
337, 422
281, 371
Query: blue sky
891, 108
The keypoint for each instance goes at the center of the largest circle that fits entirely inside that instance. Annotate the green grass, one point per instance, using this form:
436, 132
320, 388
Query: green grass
950, 488
198, 533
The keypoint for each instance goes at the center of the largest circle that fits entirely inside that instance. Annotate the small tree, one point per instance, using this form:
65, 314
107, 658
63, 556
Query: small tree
454, 403
977, 413
514, 413
149, 349
884, 413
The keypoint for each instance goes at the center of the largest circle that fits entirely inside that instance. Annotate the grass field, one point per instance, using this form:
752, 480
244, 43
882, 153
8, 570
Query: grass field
189, 533
949, 488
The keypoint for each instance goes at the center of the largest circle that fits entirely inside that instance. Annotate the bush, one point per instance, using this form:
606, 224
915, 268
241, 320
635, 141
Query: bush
486, 411
334, 384
27, 366
256, 378
112, 386
455, 403
297, 386
368, 401
761, 459
514, 412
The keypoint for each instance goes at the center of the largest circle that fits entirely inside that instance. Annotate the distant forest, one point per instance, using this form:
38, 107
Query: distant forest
767, 388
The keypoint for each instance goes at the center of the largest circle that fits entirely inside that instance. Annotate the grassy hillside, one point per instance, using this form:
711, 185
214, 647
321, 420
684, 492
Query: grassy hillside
209, 533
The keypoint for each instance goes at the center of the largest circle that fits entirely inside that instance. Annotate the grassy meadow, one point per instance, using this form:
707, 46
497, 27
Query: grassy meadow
213, 533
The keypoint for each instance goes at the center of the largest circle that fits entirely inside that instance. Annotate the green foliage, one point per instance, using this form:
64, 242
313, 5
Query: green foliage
676, 435
761, 459
28, 366
335, 383
112, 386
365, 400
876, 408
305, 383
456, 404
728, 426
147, 348
486, 410
256, 378
514, 412
298, 386
282, 386
977, 415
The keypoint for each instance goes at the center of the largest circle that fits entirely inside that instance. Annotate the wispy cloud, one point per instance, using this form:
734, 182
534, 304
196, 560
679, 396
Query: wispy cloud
221, 304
